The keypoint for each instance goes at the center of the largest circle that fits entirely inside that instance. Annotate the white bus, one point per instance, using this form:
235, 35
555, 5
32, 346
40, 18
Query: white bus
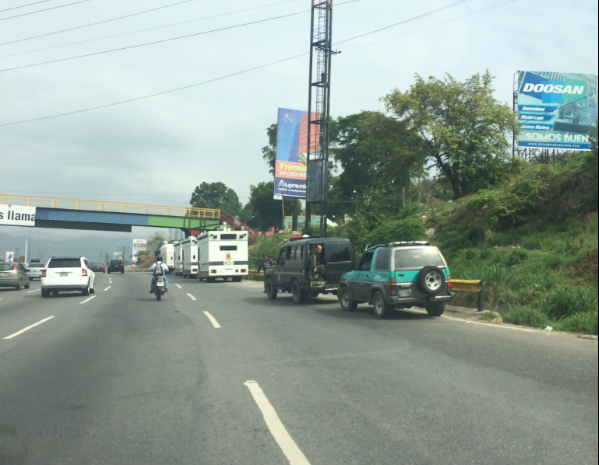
189, 257
178, 259
223, 254
167, 251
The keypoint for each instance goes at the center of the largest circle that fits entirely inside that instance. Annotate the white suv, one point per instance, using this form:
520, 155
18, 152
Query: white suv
67, 274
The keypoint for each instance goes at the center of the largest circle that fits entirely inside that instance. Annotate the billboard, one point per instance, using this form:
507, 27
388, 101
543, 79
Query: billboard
293, 153
556, 110
139, 245
17, 215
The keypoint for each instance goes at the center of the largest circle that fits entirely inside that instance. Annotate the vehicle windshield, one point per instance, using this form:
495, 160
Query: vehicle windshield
415, 259
65, 263
6, 266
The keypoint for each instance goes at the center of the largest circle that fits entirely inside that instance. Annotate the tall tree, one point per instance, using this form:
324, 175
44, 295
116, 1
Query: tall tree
374, 150
269, 152
216, 195
464, 129
265, 211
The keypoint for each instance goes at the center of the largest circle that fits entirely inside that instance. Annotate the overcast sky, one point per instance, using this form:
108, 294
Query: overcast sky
157, 150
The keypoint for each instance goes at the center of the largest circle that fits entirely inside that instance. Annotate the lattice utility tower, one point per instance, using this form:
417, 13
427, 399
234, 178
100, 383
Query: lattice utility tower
319, 105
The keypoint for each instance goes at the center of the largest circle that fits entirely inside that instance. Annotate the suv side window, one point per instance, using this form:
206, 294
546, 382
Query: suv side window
289, 253
365, 261
383, 256
281, 260
337, 253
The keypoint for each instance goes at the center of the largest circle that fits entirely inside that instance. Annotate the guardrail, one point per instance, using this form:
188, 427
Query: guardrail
468, 286
111, 207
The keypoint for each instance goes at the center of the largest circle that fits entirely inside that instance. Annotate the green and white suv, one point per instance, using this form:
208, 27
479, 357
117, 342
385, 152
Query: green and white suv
398, 275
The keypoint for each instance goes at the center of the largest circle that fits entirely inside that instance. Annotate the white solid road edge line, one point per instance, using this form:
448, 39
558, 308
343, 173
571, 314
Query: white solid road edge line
191, 297
107, 288
212, 320
275, 425
178, 286
480, 323
28, 328
87, 300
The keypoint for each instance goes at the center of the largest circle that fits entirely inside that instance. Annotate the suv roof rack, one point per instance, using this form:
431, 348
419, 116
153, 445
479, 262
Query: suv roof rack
398, 244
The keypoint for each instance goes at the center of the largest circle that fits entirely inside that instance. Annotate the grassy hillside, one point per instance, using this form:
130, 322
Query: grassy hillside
534, 243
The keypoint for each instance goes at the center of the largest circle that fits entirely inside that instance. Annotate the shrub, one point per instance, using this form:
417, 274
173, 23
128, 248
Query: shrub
580, 323
527, 316
570, 300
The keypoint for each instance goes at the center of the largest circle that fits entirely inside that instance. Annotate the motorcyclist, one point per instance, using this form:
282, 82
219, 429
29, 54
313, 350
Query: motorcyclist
159, 269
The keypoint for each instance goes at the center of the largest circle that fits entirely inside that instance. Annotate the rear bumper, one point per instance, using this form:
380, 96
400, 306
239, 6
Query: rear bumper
422, 301
78, 284
12, 281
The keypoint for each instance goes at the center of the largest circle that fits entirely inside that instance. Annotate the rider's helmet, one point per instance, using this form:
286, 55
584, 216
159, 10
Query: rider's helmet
159, 259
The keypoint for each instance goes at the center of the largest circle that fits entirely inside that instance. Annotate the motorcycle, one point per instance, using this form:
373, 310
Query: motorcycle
159, 290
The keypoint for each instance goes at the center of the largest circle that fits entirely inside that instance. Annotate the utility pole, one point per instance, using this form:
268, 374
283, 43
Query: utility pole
321, 41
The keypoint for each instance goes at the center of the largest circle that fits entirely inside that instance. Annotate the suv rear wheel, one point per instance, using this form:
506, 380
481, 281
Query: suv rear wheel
381, 308
271, 290
435, 309
299, 295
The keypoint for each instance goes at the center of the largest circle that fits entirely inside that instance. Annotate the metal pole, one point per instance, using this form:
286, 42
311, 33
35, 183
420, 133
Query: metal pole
481, 297
283, 210
308, 218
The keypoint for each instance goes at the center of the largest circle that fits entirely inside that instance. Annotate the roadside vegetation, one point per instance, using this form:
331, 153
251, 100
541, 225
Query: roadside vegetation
437, 166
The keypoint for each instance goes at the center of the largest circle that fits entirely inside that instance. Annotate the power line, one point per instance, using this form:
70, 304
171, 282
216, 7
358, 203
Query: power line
177, 89
98, 22
23, 6
236, 26
46, 9
147, 29
405, 21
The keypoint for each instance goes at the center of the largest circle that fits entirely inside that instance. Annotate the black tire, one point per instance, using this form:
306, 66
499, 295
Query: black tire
381, 308
18, 286
237, 279
158, 294
347, 305
85, 291
271, 290
122, 271
54, 293
431, 280
299, 295
45, 293
435, 309
211, 280
28, 285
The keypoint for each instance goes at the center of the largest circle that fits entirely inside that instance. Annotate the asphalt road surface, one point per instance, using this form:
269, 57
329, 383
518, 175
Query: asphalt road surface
216, 374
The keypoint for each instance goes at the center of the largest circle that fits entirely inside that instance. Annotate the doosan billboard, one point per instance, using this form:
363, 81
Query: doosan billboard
556, 110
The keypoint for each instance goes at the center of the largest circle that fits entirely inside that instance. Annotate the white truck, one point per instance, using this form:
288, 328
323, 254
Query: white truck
223, 254
178, 258
189, 257
167, 251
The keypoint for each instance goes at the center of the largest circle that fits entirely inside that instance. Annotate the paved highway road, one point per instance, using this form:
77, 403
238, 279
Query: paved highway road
215, 374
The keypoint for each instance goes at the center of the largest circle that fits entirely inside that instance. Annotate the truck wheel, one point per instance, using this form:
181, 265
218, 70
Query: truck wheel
435, 309
345, 301
237, 279
271, 290
381, 308
299, 295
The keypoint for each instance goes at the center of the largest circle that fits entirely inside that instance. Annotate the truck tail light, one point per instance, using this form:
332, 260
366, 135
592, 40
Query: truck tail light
83, 272
448, 281
393, 285
244, 271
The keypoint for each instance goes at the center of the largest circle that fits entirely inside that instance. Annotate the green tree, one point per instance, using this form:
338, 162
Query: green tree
464, 129
374, 150
216, 195
269, 152
265, 211
154, 243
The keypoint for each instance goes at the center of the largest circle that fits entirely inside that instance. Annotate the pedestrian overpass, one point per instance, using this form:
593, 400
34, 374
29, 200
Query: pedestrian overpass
59, 213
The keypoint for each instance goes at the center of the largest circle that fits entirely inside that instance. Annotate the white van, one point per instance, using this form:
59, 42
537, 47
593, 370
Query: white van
167, 251
189, 257
178, 252
223, 254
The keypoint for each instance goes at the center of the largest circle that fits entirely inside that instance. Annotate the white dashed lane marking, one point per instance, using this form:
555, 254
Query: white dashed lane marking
212, 320
29, 327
